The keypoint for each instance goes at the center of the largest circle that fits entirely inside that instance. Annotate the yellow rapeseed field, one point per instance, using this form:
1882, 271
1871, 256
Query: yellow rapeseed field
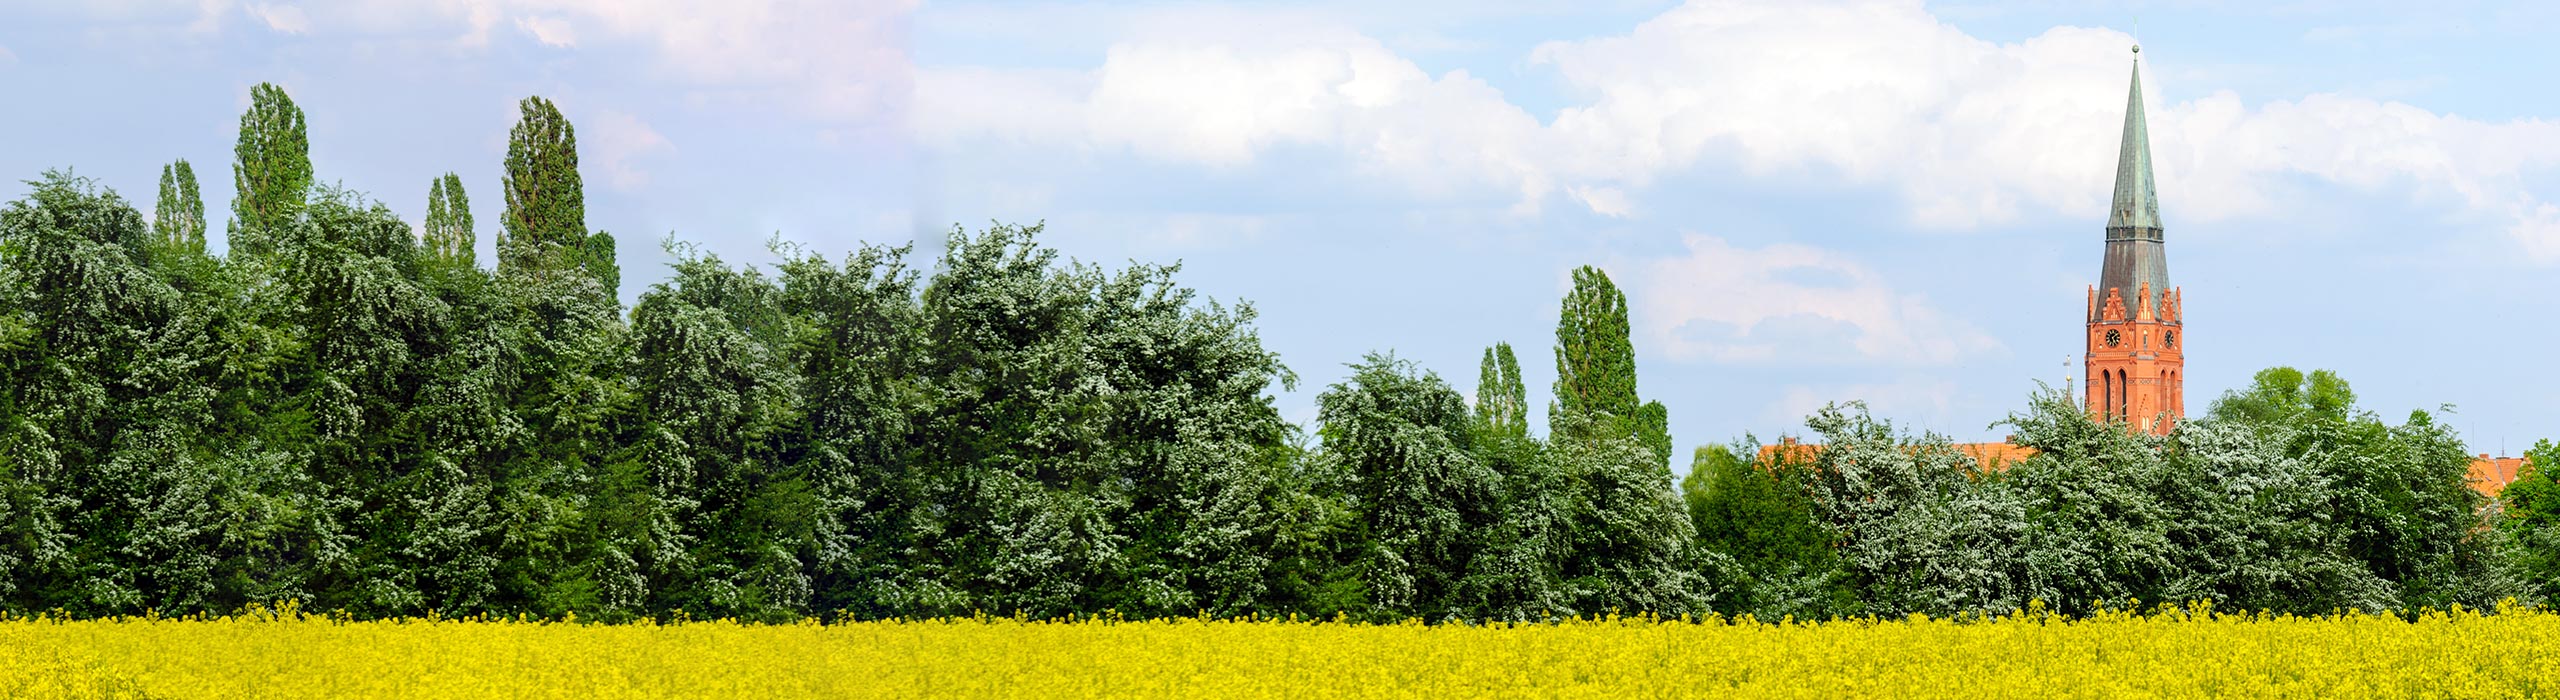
2163, 653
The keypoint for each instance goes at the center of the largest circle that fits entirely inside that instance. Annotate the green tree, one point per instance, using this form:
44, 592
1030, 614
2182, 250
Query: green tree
857, 347
1402, 436
2528, 522
1918, 527
2404, 492
1520, 570
2215, 511
727, 521
104, 393
1759, 515
1630, 543
178, 215
270, 169
1502, 403
546, 221
2533, 499
1024, 434
326, 465
1596, 368
2280, 395
448, 234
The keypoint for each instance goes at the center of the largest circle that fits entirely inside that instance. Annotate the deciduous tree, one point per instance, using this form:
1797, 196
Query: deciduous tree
270, 169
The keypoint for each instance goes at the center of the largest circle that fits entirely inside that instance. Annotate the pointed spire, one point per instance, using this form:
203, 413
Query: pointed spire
2136, 205
2135, 255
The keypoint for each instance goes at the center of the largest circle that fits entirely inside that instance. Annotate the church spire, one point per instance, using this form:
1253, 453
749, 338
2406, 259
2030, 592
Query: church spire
2137, 359
2137, 265
2136, 205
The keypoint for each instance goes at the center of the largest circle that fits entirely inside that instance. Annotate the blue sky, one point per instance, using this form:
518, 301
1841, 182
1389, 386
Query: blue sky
1806, 201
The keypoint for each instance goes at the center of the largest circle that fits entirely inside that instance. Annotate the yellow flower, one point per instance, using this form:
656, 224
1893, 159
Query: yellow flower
2168, 651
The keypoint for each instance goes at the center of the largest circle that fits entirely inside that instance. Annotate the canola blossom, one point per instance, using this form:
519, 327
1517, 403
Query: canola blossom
2166, 652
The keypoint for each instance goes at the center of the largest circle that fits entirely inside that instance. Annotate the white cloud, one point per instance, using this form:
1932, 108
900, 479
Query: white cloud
7, 58
1967, 132
1222, 99
831, 59
2538, 229
844, 60
618, 140
282, 18
551, 31
1607, 201
1790, 304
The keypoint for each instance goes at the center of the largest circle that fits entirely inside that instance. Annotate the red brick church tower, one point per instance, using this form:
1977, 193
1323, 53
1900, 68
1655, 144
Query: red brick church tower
2137, 352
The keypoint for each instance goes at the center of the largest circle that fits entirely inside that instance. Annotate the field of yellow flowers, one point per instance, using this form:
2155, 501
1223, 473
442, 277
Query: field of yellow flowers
2163, 653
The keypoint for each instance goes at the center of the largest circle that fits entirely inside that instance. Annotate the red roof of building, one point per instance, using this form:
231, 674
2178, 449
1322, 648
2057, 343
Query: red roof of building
2491, 475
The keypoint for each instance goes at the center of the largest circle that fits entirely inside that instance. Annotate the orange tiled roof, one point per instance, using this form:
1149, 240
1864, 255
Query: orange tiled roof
2491, 475
1992, 455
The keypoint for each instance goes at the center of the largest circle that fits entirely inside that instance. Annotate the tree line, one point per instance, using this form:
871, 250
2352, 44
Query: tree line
352, 413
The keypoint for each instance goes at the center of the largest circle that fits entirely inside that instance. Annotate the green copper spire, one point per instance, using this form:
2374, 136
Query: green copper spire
2137, 256
2136, 205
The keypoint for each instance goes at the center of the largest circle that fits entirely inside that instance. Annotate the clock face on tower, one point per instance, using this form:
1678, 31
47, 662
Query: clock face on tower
2114, 338
2169, 338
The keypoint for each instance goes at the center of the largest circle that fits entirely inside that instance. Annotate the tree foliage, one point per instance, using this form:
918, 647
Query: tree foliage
447, 232
546, 219
2305, 510
178, 215
1502, 402
1758, 512
352, 415
1595, 386
270, 169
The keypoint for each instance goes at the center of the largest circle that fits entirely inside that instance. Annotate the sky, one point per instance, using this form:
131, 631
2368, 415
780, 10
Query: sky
1805, 201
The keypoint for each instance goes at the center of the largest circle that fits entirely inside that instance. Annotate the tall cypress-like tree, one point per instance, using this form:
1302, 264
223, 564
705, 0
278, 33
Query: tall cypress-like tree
270, 169
1502, 403
546, 200
546, 226
1596, 367
596, 258
178, 217
448, 232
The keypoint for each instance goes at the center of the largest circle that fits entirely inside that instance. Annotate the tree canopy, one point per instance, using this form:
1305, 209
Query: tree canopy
343, 410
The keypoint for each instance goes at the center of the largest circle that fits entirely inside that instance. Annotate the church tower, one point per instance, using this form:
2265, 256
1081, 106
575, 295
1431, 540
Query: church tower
2136, 359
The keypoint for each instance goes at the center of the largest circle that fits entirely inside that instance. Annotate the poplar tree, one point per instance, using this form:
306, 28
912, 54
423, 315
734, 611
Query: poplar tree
1501, 401
178, 215
448, 231
1596, 368
546, 225
1627, 535
270, 169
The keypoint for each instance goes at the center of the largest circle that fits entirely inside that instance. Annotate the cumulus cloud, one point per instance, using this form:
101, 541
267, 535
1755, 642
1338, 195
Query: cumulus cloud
830, 59
282, 18
551, 31
1791, 304
1223, 101
617, 142
1874, 93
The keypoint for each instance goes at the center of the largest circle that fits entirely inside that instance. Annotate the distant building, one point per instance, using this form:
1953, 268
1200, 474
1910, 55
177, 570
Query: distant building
2136, 352
2491, 475
2136, 364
